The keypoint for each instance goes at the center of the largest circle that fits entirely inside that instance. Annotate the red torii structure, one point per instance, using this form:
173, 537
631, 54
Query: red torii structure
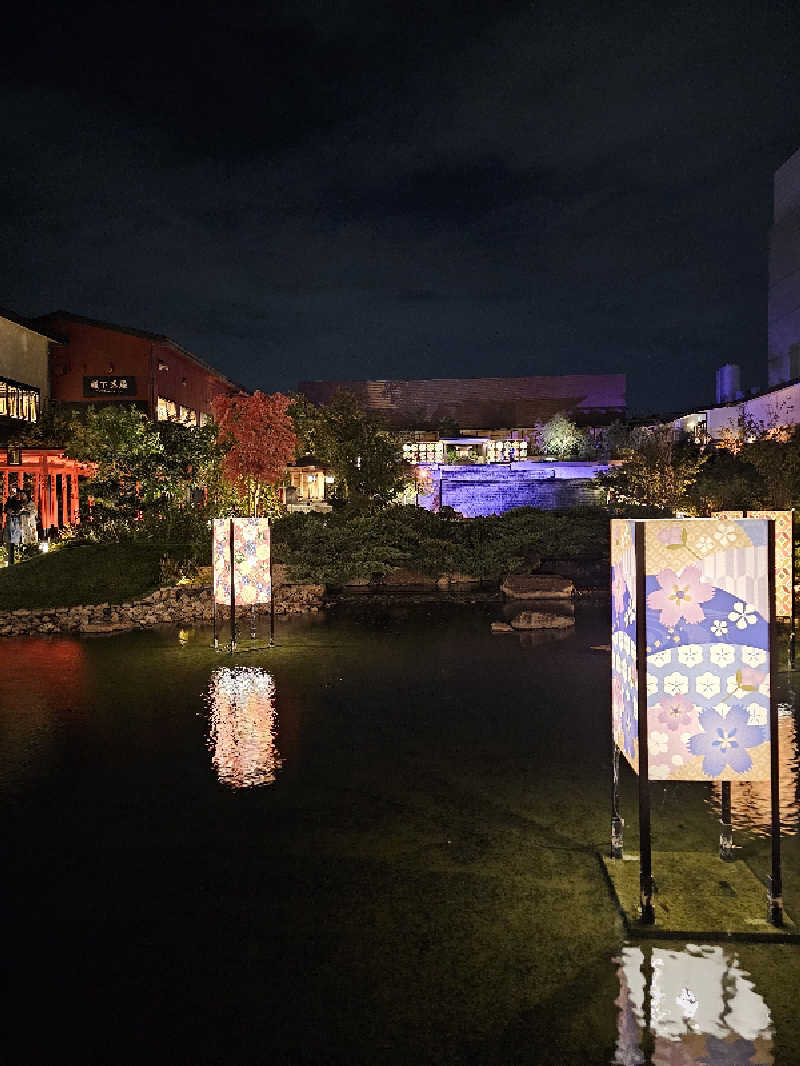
51, 479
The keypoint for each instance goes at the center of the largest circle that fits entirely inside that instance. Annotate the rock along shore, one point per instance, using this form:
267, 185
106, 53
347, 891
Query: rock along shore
182, 604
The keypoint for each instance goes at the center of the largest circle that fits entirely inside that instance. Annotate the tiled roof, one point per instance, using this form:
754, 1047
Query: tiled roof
483, 403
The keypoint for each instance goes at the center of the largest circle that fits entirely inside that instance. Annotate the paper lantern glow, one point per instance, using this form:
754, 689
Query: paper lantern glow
784, 570
707, 646
251, 552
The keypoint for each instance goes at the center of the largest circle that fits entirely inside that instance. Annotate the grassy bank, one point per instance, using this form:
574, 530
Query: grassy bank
81, 574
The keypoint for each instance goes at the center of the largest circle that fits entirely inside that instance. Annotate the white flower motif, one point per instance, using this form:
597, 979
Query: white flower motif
685, 738
630, 614
756, 714
743, 614
660, 772
707, 684
722, 654
703, 545
722, 709
660, 658
725, 534
677, 760
719, 628
652, 685
658, 742
753, 656
690, 655
676, 683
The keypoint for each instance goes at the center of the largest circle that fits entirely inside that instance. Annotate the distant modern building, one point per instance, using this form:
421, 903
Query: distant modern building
476, 405
99, 363
783, 302
24, 373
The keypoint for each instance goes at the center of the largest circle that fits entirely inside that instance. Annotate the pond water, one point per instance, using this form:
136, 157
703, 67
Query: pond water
373, 843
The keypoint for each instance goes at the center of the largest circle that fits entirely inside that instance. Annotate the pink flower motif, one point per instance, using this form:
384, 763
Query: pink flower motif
752, 677
675, 712
670, 535
680, 596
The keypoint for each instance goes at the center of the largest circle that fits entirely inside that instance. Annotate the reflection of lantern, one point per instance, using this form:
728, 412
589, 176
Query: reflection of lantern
750, 800
243, 727
698, 1005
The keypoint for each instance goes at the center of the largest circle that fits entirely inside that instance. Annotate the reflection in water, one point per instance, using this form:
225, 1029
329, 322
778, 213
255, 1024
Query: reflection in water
695, 1007
750, 800
243, 726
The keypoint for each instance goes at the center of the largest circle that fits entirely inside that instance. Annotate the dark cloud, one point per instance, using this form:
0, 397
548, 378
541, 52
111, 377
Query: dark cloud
308, 190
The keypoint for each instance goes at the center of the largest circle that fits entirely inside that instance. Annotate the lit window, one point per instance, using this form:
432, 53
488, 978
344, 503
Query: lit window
166, 410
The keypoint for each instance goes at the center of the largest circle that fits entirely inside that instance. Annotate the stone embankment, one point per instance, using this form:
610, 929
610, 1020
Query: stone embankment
184, 604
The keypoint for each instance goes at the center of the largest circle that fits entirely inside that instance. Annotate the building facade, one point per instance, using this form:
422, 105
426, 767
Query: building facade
477, 405
783, 301
24, 374
99, 363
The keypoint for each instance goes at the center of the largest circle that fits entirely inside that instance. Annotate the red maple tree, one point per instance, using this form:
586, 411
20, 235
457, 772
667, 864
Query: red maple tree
261, 439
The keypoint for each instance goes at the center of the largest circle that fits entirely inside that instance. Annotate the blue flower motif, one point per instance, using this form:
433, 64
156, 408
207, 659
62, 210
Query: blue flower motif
724, 741
738, 1052
630, 727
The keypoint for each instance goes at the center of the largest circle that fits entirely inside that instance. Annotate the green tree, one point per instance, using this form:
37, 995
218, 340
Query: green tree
725, 482
776, 458
366, 458
562, 439
657, 472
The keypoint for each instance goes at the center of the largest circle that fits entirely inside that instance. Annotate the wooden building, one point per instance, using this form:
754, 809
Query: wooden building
99, 363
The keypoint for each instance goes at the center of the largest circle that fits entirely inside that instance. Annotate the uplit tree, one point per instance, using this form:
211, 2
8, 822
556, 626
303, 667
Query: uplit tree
657, 471
365, 457
259, 436
561, 438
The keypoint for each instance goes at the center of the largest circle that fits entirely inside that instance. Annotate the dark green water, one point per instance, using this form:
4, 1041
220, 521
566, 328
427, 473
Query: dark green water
375, 843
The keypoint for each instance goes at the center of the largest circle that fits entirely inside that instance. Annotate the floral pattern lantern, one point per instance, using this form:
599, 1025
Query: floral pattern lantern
707, 647
250, 558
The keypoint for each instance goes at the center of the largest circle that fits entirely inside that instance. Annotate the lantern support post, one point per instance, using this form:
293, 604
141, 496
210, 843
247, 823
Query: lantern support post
271, 590
725, 823
233, 591
647, 911
617, 822
775, 881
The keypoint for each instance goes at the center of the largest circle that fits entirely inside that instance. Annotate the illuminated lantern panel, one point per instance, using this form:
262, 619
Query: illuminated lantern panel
783, 554
751, 801
624, 689
251, 548
707, 647
698, 1005
243, 727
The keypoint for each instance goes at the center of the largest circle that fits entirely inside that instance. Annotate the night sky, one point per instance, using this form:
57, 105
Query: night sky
348, 190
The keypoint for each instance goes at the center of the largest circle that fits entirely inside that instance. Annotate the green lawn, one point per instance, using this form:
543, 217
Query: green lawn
79, 574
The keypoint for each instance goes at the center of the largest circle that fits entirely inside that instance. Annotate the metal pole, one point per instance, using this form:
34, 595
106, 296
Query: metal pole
775, 881
617, 823
725, 824
271, 590
791, 570
233, 593
647, 911
253, 621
